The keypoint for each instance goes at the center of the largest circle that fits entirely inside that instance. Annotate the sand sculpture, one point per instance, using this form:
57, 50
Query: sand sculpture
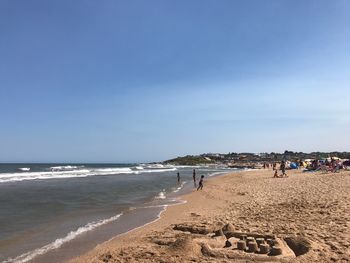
227, 243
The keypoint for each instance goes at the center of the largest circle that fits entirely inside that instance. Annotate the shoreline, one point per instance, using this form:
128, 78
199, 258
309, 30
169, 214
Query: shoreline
176, 199
162, 220
133, 218
312, 206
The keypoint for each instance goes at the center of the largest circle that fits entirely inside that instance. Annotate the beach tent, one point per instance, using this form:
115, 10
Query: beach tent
293, 166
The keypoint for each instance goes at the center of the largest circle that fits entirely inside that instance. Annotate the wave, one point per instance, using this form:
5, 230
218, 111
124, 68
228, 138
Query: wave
191, 166
161, 195
158, 166
179, 187
217, 173
58, 172
13, 177
24, 169
155, 166
60, 241
158, 170
66, 167
114, 170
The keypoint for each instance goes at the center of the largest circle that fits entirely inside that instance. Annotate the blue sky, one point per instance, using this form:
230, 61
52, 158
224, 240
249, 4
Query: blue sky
125, 81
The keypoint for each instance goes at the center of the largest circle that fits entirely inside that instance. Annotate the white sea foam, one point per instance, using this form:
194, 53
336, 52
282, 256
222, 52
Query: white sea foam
161, 195
179, 187
159, 166
114, 170
155, 166
158, 170
60, 241
66, 167
190, 166
13, 177
58, 172
24, 169
217, 173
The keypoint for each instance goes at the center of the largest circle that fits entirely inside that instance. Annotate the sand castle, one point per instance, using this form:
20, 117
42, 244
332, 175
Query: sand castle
225, 242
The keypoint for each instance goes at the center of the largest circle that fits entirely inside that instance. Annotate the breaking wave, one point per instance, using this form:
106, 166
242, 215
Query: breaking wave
59, 172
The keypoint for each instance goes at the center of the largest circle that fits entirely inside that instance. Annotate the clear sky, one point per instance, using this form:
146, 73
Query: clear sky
128, 81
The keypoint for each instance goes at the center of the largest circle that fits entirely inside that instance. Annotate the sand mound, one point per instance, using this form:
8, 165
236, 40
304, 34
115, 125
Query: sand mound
299, 245
186, 245
228, 228
202, 229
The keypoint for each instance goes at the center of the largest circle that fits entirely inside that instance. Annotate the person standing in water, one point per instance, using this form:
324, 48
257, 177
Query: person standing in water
200, 186
178, 177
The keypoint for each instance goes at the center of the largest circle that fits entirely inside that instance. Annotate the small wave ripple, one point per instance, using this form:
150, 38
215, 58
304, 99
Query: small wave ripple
60, 241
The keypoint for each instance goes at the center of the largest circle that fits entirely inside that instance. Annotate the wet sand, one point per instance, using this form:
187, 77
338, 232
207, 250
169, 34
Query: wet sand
308, 213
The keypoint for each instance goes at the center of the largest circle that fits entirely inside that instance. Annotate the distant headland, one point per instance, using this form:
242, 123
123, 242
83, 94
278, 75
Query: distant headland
245, 159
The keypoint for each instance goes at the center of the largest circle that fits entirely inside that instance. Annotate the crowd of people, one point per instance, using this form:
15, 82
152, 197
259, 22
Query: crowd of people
326, 165
333, 165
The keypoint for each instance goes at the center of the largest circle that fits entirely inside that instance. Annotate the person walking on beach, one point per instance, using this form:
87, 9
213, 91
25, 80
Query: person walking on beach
194, 177
200, 186
283, 168
274, 166
178, 178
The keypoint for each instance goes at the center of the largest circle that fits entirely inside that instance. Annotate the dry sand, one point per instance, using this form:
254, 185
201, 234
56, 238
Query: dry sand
311, 211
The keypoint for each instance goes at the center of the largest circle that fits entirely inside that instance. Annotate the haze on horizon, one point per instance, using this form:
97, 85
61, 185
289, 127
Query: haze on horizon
130, 81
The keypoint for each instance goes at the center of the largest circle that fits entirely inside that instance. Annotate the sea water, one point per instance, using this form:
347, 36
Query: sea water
58, 211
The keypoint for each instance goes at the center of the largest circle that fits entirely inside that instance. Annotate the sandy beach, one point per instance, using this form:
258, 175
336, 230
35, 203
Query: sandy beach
306, 215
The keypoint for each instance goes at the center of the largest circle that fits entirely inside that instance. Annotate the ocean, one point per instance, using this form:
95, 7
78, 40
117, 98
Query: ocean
53, 212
